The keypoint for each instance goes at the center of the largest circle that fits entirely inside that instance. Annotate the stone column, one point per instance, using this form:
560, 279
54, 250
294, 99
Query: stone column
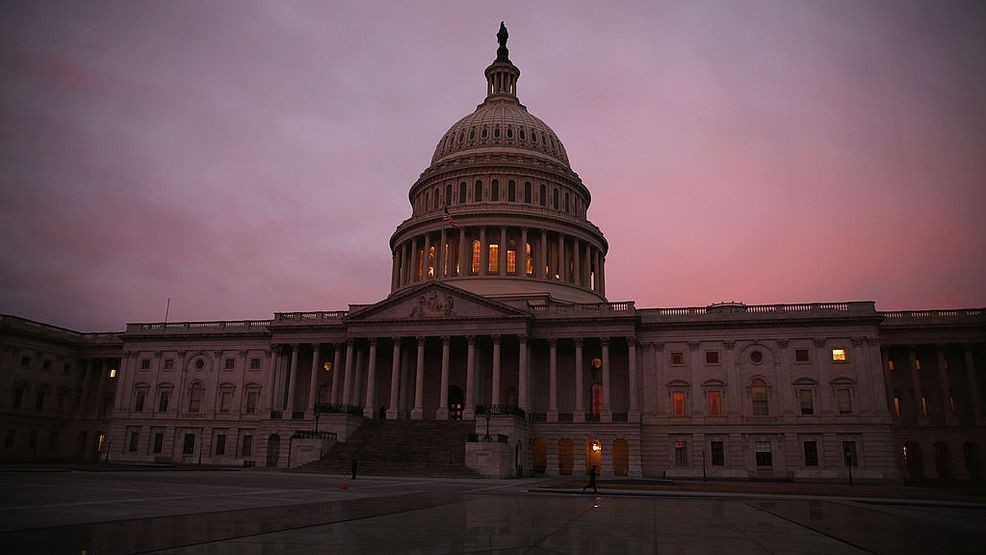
484, 252
595, 266
462, 254
970, 372
121, 385
661, 380
405, 263
562, 264
915, 381
426, 258
395, 378
863, 375
944, 384
602, 275
552, 380
502, 252
782, 364
336, 361
272, 404
419, 382
356, 389
293, 379
313, 382
522, 374
634, 415
442, 412
87, 371
495, 394
579, 415
469, 411
523, 249
347, 383
607, 415
542, 269
413, 273
587, 265
440, 256
888, 380
824, 388
395, 271
371, 382
576, 267
734, 387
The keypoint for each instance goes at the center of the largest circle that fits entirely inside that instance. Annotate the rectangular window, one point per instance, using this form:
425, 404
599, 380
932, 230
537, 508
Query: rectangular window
838, 355
530, 260
8, 438
917, 364
849, 453
221, 444
765, 456
715, 403
246, 450
162, 404
890, 364
511, 261
718, 453
145, 363
677, 358
112, 373
230, 364
251, 402
494, 262
169, 364
225, 400
680, 452
39, 400
189, 446
678, 402
844, 400
46, 365
897, 404
32, 440
924, 406
139, 402
801, 355
158, 442
712, 357
254, 364
18, 396
811, 453
807, 400
134, 439
25, 362
474, 264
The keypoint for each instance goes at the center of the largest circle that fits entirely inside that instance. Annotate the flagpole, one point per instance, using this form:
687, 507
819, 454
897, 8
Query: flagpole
167, 309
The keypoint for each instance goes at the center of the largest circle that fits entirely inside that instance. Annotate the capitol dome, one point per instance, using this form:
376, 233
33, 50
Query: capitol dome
499, 211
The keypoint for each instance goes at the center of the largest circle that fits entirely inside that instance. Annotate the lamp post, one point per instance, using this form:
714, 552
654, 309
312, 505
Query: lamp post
849, 462
487, 436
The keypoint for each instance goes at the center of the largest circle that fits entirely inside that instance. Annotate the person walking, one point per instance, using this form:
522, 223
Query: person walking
592, 481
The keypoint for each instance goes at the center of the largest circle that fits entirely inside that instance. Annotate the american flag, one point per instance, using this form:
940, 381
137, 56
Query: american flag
447, 218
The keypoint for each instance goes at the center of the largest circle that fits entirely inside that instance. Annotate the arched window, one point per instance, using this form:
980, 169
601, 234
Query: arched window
543, 200
419, 266
555, 199
758, 390
496, 132
493, 265
427, 200
462, 192
195, 398
472, 134
511, 257
511, 191
478, 193
461, 136
510, 132
530, 261
495, 191
474, 263
527, 192
431, 261
568, 204
484, 134
448, 194
522, 136
437, 197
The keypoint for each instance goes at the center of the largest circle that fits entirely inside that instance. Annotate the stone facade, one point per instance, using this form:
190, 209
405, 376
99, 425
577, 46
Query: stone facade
498, 315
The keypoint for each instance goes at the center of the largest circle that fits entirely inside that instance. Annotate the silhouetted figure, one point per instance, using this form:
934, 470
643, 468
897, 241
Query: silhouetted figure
383, 412
592, 481
502, 54
355, 467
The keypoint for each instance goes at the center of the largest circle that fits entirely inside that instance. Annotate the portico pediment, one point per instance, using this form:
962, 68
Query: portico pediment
435, 301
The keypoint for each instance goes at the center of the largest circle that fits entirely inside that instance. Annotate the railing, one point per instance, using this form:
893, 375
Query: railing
770, 309
48, 329
620, 417
900, 316
314, 435
473, 208
351, 410
500, 410
249, 325
566, 417
310, 316
621, 306
592, 417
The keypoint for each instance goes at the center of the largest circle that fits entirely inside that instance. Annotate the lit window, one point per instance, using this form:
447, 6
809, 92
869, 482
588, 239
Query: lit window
718, 453
112, 372
677, 358
917, 364
511, 258
801, 355
712, 357
807, 400
924, 405
494, 262
678, 402
839, 355
890, 364
897, 405
530, 260
474, 266
951, 402
715, 403
431, 261
419, 266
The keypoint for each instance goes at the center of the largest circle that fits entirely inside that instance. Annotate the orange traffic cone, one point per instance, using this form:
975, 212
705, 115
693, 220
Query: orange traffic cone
344, 485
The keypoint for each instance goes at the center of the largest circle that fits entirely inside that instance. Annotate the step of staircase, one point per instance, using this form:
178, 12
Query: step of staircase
401, 448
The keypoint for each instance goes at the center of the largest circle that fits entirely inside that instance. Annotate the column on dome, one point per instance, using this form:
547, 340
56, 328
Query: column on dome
419, 382
440, 256
469, 410
587, 266
576, 267
522, 374
371, 382
313, 380
579, 386
292, 379
522, 251
607, 415
484, 251
442, 412
426, 260
542, 269
495, 393
460, 269
503, 251
562, 271
347, 383
595, 269
395, 377
552, 380
413, 273
602, 275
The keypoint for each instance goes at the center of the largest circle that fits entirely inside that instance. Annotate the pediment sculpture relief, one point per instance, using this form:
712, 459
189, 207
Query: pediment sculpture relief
432, 305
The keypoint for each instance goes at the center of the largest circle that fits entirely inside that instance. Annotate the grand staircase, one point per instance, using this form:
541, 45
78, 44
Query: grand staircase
401, 448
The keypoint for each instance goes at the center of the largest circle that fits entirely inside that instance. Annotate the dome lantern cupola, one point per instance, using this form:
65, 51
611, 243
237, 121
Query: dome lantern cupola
502, 75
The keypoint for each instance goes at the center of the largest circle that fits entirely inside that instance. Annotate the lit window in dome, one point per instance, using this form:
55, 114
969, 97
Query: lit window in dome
419, 267
494, 263
511, 257
530, 260
431, 262
474, 265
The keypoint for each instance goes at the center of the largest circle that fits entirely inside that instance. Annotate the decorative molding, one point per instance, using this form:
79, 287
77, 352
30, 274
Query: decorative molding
782, 343
730, 345
819, 343
693, 345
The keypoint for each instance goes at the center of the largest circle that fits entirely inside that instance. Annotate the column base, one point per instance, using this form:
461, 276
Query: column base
368, 412
391, 414
634, 416
417, 413
469, 413
552, 416
578, 416
441, 413
606, 416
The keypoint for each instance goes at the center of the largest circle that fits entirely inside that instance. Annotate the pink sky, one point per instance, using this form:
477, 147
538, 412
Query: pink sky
245, 158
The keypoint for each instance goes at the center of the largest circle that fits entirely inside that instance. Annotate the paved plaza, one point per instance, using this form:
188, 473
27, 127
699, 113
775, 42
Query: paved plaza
225, 512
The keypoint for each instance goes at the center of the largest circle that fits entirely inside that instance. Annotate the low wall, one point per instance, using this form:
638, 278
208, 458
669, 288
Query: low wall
489, 458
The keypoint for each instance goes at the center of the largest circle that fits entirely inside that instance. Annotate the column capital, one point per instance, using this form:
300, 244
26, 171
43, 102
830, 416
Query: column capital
553, 342
273, 346
659, 347
316, 346
819, 343
578, 341
445, 339
523, 338
395, 339
604, 341
372, 341
967, 347
471, 339
730, 345
693, 345
631, 340
217, 353
294, 347
242, 352
420, 339
496, 339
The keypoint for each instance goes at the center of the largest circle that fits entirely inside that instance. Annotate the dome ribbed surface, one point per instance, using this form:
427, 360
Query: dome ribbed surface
501, 125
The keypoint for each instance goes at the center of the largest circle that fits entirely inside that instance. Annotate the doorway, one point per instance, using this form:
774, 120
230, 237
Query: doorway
273, 449
455, 401
593, 455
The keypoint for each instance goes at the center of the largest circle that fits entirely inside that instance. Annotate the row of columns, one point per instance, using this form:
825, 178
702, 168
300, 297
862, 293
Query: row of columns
944, 380
564, 257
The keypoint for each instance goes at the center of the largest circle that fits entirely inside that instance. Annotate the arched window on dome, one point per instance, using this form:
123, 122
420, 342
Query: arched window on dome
462, 135
511, 257
555, 199
568, 204
437, 197
478, 193
529, 265
474, 263
522, 136
494, 191
527, 192
419, 264
543, 198
462, 192
431, 262
496, 132
543, 140
510, 132
534, 137
427, 200
484, 133
472, 134
448, 194
511, 191
493, 265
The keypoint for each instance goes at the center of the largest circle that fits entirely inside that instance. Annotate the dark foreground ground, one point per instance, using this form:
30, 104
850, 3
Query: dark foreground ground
272, 512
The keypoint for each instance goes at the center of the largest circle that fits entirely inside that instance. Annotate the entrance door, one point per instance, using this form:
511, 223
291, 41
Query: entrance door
455, 401
273, 449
